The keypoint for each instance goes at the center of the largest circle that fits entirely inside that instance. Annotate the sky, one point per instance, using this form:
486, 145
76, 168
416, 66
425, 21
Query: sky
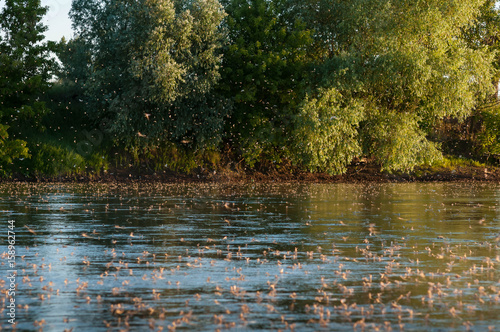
56, 19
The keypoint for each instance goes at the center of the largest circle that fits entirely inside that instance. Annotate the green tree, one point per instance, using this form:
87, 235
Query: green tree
405, 64
481, 130
484, 31
265, 72
26, 67
326, 135
153, 65
76, 58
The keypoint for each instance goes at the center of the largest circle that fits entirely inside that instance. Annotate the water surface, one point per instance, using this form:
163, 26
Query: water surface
302, 257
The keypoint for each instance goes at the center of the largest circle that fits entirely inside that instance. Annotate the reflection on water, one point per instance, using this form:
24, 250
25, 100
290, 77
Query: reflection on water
257, 256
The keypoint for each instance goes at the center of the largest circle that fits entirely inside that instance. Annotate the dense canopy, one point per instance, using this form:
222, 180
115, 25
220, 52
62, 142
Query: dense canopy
316, 84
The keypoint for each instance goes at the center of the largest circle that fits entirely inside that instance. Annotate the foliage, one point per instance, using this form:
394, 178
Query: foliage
54, 160
25, 70
169, 156
451, 162
484, 31
315, 82
10, 150
76, 58
153, 66
405, 63
68, 146
397, 141
489, 135
327, 132
265, 73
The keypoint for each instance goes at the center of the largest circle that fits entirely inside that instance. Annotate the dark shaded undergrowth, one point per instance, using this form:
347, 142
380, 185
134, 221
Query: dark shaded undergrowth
357, 172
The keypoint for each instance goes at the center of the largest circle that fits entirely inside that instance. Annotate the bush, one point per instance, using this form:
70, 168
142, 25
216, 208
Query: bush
53, 159
170, 156
488, 139
50, 160
9, 151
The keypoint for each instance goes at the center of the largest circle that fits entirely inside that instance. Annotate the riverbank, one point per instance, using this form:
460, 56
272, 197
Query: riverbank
356, 173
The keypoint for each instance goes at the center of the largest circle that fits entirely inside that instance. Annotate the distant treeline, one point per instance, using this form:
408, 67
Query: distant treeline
193, 84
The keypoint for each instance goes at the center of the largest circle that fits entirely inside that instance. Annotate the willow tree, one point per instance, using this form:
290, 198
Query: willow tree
153, 66
404, 66
26, 67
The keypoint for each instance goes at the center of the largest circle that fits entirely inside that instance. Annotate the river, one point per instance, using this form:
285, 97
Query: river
206, 257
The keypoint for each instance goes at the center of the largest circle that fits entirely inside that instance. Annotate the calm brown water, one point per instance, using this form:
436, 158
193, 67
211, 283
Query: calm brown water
302, 257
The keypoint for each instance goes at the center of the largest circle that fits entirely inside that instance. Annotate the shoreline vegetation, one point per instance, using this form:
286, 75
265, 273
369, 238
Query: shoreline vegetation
358, 172
252, 90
